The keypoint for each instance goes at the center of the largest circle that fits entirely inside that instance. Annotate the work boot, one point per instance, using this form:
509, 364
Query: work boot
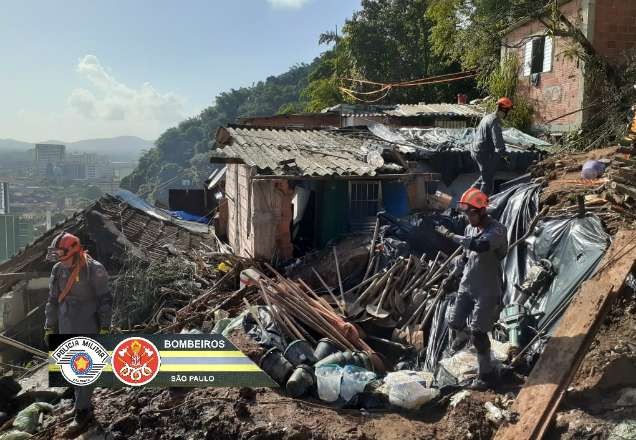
81, 422
459, 340
484, 382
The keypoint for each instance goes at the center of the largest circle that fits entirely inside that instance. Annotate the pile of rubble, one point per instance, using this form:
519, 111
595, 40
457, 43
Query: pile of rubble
610, 193
358, 330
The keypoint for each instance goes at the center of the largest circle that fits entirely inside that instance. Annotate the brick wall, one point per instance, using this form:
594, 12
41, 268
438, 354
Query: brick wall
560, 90
614, 27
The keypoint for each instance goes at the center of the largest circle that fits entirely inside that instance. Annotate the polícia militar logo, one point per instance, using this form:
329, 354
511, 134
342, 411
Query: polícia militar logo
81, 360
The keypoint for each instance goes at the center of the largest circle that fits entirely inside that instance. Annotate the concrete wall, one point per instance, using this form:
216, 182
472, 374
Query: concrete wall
560, 90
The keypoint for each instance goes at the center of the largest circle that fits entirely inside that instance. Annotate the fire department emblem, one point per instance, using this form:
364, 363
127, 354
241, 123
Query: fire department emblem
81, 360
136, 361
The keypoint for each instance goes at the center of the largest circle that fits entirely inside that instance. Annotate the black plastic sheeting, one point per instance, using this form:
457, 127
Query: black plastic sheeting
574, 245
515, 208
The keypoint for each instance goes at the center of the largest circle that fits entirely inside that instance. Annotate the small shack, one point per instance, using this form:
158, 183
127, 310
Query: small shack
292, 190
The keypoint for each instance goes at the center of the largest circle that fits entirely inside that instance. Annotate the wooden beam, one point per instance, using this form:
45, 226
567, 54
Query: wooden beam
539, 399
24, 347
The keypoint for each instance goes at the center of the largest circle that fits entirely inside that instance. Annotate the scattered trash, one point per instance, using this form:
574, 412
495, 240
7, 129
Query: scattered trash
276, 365
354, 380
498, 415
27, 419
411, 395
592, 169
301, 381
328, 379
458, 397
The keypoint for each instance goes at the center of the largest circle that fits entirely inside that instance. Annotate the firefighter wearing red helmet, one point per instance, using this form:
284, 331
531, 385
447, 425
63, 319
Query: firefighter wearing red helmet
79, 302
488, 142
480, 293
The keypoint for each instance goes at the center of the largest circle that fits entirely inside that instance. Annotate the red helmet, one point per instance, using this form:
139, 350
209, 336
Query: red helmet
473, 198
66, 242
504, 103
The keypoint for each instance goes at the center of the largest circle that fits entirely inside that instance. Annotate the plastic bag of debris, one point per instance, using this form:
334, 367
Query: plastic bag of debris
411, 395
27, 419
409, 389
15, 435
462, 365
592, 169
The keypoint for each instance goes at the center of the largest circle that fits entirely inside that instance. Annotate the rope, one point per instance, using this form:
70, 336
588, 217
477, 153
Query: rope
385, 88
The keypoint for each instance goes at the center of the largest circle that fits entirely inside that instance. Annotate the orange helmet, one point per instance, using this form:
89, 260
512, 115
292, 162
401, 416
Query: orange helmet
66, 242
504, 103
473, 198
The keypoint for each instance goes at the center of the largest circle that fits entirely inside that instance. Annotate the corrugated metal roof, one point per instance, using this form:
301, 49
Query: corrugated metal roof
294, 152
409, 110
449, 110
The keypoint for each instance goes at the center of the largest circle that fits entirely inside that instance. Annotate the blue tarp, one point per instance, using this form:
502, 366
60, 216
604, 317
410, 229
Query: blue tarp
182, 215
137, 202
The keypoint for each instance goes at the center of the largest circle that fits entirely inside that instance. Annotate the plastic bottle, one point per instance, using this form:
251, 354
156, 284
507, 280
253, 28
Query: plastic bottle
354, 380
328, 379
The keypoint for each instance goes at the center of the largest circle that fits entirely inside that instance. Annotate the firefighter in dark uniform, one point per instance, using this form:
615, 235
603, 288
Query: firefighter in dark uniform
79, 302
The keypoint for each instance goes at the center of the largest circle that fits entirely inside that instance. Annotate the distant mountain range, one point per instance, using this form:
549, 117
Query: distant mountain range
123, 148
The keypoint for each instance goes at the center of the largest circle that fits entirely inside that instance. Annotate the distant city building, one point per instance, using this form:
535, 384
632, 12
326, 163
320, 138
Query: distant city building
47, 157
4, 198
15, 233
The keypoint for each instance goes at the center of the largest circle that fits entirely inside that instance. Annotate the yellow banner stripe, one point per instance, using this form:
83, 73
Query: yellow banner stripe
204, 354
170, 368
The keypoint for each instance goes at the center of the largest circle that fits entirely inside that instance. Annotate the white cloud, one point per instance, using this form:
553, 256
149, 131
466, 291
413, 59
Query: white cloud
100, 106
291, 4
112, 100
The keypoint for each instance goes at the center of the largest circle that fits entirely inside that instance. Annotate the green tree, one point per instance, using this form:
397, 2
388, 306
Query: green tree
386, 41
179, 145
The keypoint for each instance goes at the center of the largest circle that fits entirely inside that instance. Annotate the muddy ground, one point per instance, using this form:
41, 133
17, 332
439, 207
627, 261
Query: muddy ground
597, 400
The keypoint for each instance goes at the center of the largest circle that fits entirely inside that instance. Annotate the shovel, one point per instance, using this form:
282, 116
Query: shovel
378, 311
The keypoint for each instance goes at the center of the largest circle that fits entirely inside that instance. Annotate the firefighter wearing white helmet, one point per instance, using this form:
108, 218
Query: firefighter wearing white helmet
480, 292
79, 302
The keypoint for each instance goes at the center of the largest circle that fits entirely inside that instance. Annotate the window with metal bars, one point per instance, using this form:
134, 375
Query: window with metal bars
365, 199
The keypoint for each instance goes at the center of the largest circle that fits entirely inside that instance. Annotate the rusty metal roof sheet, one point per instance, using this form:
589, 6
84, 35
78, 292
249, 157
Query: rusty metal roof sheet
294, 152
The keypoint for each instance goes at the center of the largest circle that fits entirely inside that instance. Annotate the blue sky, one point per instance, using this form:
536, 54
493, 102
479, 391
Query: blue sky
136, 67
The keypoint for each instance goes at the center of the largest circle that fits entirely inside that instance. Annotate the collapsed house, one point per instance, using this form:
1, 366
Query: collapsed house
114, 230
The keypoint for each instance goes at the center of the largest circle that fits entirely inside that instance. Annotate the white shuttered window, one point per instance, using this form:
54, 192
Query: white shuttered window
527, 58
547, 54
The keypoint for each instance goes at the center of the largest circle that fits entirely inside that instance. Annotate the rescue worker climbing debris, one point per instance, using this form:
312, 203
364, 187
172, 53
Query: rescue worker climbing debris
79, 302
489, 146
480, 292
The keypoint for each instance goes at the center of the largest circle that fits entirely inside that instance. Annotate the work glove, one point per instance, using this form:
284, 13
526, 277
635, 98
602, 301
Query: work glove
444, 232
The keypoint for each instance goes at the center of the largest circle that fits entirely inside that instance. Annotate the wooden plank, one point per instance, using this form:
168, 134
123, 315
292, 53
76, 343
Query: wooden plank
540, 397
